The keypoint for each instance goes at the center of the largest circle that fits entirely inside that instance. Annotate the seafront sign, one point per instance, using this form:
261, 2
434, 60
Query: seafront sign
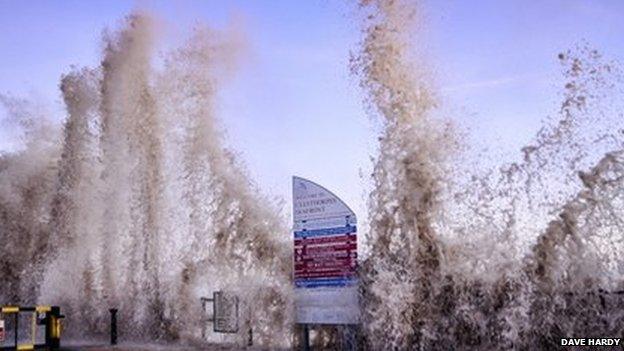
325, 256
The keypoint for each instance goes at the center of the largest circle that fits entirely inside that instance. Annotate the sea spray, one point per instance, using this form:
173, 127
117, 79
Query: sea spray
126, 116
404, 261
222, 201
474, 262
28, 177
74, 222
575, 265
140, 206
146, 211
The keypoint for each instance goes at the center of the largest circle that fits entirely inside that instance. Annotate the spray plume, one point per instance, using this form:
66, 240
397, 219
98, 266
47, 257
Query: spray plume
136, 204
143, 208
505, 259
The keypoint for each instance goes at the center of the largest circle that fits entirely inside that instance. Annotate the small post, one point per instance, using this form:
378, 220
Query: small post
113, 326
250, 340
349, 337
16, 329
306, 338
53, 328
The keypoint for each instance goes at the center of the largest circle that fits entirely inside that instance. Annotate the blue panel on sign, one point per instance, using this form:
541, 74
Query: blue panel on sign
325, 231
316, 283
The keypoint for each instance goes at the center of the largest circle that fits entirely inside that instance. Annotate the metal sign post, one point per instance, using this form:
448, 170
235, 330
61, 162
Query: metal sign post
113, 326
306, 338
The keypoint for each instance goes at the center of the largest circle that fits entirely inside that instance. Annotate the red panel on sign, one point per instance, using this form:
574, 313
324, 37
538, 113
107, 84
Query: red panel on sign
324, 256
330, 248
326, 239
311, 266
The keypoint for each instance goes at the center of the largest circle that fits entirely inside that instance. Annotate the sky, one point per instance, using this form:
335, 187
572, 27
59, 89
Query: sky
293, 108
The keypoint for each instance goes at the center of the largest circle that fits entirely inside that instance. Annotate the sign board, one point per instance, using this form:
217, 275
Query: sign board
225, 312
325, 256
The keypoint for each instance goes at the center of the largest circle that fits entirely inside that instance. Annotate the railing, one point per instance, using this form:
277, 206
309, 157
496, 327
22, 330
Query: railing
48, 316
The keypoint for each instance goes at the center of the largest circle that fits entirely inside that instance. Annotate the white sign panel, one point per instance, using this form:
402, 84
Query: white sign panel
225, 312
325, 256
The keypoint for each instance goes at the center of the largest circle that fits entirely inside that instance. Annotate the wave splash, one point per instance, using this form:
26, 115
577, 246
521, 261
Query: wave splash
137, 204
517, 257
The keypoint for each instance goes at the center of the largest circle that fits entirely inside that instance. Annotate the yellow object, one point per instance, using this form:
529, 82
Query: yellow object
56, 328
42, 309
51, 318
10, 309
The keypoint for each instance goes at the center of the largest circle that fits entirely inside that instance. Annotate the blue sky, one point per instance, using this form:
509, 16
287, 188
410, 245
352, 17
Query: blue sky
293, 108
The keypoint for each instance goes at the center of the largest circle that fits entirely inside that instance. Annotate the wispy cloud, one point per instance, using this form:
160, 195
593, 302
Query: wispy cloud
493, 83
